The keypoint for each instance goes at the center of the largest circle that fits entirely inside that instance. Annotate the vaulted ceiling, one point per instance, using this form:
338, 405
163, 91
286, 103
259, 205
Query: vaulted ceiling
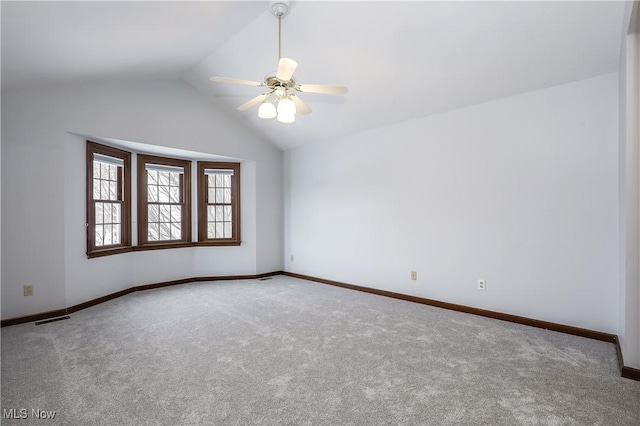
400, 60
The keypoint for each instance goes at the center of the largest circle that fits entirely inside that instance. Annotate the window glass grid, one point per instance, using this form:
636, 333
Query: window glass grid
107, 203
105, 181
107, 223
219, 206
164, 198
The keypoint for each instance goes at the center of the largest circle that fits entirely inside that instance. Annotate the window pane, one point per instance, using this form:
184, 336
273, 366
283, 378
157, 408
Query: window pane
174, 194
163, 178
227, 229
96, 189
113, 172
107, 235
98, 212
219, 195
152, 177
116, 213
219, 180
165, 232
174, 179
104, 171
98, 235
175, 231
113, 190
164, 213
227, 181
104, 189
219, 213
153, 232
163, 193
212, 196
154, 213
176, 214
211, 230
116, 234
227, 213
211, 215
152, 194
211, 181
106, 213
112, 213
96, 169
219, 230
227, 195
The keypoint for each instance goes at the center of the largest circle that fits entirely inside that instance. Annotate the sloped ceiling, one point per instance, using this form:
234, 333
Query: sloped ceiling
400, 60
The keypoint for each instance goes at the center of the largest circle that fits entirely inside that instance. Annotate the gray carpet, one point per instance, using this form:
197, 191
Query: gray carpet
288, 351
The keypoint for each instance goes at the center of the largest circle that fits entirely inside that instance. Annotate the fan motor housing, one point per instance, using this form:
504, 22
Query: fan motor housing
273, 82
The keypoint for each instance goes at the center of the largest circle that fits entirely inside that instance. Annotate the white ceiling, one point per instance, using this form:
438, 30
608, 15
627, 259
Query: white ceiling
400, 60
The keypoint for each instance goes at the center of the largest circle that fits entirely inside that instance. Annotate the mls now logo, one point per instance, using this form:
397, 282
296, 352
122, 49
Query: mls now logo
23, 413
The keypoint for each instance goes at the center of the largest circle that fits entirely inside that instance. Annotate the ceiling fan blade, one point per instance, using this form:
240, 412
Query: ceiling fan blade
235, 81
321, 88
301, 107
253, 101
286, 68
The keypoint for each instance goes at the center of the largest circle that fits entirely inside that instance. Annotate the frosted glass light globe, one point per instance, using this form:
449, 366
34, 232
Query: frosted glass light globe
287, 107
267, 110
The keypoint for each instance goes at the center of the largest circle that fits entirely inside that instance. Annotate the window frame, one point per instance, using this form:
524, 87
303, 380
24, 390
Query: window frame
125, 201
202, 181
143, 212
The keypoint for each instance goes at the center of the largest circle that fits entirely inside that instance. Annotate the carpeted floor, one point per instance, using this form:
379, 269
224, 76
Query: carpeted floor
293, 352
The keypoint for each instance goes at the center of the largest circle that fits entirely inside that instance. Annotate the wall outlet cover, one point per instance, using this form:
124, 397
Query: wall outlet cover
482, 285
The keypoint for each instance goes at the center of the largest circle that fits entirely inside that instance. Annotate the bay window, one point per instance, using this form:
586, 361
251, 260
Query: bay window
164, 202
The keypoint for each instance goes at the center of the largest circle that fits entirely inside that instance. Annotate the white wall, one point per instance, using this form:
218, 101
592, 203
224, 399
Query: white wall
43, 165
522, 192
629, 177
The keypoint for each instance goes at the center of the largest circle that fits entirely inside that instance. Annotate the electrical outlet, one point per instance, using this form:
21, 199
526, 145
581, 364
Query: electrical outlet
414, 275
292, 258
482, 285
28, 290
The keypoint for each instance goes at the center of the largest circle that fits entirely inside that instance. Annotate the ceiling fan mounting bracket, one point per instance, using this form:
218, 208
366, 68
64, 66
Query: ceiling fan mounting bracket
280, 9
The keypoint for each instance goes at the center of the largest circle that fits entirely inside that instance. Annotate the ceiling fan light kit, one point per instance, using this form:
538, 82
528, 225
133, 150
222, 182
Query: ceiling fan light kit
280, 100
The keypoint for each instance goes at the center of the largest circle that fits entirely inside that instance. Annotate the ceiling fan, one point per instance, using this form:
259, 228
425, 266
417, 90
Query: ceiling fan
280, 100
